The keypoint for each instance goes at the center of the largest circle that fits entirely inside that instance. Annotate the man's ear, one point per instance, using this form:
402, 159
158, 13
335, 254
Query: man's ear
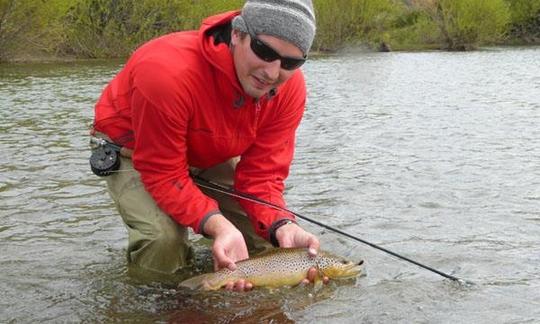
235, 36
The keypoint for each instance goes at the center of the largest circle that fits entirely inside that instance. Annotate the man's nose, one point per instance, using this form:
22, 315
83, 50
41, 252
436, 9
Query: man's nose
272, 70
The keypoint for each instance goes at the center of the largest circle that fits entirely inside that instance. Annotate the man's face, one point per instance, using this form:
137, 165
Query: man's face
256, 76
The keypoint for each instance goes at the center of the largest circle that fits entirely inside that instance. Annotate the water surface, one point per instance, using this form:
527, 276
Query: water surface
435, 156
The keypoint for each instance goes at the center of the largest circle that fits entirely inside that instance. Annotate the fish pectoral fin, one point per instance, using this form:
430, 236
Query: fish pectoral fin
205, 285
318, 281
317, 284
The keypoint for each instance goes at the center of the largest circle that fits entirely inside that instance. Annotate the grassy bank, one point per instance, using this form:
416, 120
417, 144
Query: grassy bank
113, 28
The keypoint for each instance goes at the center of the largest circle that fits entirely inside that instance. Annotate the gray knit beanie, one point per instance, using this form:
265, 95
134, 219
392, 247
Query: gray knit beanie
290, 20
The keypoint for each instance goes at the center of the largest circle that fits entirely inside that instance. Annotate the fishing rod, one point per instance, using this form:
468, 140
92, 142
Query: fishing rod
231, 192
105, 161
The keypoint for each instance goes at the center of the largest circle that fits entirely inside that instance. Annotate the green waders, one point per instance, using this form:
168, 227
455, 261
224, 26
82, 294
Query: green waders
156, 242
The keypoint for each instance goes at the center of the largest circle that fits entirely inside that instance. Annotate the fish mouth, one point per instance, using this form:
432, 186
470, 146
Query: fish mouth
352, 270
356, 266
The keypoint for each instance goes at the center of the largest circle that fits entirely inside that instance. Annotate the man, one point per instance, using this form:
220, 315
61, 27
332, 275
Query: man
221, 103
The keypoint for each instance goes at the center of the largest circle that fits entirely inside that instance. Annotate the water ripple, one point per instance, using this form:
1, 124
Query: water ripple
433, 155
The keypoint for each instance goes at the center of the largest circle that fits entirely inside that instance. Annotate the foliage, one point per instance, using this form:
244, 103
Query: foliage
16, 20
344, 22
525, 17
30, 26
113, 28
414, 30
108, 28
465, 24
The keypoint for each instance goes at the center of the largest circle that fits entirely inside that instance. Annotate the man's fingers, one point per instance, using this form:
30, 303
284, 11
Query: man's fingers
239, 285
313, 245
222, 259
229, 286
312, 274
249, 286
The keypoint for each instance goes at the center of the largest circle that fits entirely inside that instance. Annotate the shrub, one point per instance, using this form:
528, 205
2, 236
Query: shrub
113, 28
17, 20
525, 18
414, 30
466, 24
350, 21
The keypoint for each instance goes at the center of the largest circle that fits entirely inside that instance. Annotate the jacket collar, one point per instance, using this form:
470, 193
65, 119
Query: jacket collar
219, 56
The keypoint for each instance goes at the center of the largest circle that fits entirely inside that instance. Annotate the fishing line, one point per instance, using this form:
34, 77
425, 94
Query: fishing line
231, 192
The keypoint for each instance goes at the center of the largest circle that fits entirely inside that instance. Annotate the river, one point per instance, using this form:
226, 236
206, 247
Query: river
432, 155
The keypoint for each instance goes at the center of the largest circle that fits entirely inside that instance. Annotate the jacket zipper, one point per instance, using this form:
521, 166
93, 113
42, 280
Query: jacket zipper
257, 112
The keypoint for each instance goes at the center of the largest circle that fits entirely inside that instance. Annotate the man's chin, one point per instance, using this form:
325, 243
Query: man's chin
256, 92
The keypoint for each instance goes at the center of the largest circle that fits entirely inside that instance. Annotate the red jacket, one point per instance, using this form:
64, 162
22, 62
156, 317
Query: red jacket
177, 103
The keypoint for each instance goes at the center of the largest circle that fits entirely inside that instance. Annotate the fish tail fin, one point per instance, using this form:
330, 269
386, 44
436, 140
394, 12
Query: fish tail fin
199, 282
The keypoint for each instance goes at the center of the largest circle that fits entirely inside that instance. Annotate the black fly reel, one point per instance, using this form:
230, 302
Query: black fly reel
104, 160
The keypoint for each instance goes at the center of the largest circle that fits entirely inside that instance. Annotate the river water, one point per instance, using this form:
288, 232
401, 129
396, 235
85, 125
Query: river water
435, 156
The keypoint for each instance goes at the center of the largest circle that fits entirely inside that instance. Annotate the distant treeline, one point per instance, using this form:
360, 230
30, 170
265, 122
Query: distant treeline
31, 29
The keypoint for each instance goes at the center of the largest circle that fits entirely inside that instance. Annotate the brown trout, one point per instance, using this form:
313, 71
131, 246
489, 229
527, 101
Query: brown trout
278, 267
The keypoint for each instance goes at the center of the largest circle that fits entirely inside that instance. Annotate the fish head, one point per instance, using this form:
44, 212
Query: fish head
337, 267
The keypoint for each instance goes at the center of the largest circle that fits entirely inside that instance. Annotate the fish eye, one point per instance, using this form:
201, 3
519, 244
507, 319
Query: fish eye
344, 261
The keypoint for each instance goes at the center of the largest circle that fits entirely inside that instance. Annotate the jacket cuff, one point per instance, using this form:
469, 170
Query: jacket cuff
205, 219
274, 227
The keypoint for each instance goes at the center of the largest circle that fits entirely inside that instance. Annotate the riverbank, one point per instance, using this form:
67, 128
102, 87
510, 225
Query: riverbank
45, 58
63, 30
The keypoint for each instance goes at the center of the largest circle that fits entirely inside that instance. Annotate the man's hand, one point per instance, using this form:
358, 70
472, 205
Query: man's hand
228, 247
292, 235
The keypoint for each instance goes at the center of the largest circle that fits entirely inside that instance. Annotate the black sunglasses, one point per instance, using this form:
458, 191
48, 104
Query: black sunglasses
268, 54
